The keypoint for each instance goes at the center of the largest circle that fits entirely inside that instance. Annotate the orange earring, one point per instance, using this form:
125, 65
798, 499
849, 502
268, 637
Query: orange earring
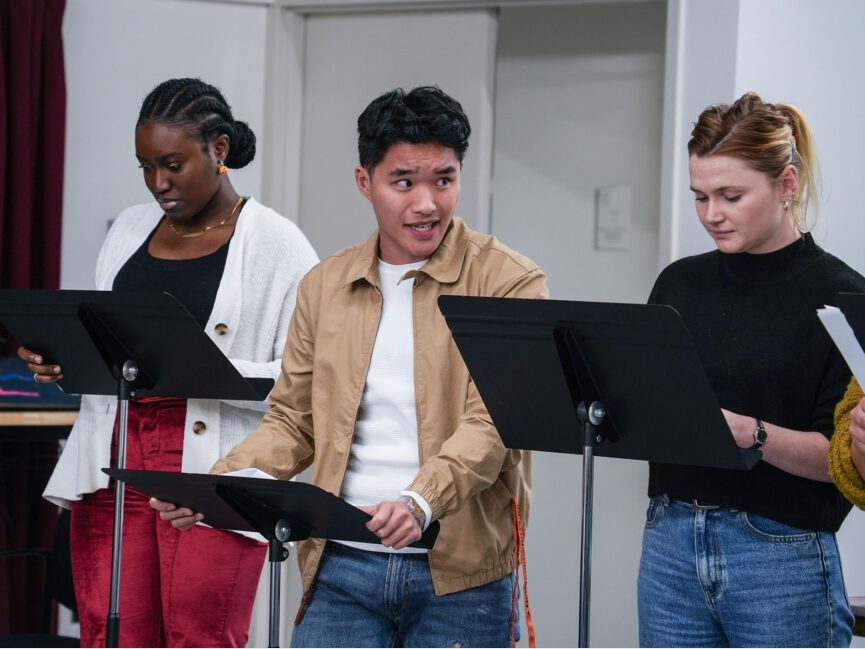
221, 169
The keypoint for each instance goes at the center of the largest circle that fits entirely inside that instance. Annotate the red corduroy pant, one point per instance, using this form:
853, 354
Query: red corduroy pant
177, 589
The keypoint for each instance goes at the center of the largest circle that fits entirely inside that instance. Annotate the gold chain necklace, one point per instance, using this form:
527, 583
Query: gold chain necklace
187, 235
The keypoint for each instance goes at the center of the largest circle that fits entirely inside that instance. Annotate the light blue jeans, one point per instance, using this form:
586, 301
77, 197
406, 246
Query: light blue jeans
725, 578
378, 599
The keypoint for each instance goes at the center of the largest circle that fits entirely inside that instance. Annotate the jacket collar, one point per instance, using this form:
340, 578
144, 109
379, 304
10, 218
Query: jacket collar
444, 266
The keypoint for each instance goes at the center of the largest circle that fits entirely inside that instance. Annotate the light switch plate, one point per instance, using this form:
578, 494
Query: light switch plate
613, 217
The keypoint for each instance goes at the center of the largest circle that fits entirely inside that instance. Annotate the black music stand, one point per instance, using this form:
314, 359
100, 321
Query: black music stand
279, 510
616, 380
129, 344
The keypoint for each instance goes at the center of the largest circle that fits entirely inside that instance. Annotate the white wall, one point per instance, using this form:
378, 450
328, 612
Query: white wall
829, 89
809, 54
701, 60
116, 51
579, 93
578, 106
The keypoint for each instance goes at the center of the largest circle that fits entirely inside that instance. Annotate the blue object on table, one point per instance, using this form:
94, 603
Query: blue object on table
18, 390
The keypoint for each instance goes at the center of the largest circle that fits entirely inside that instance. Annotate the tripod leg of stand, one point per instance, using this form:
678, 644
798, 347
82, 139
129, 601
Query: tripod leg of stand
586, 540
276, 555
124, 391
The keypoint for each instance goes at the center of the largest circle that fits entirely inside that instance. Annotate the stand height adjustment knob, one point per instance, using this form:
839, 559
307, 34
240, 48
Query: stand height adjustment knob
597, 412
282, 531
130, 371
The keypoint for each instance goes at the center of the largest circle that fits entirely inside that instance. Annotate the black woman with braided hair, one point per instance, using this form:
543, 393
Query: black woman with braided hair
235, 265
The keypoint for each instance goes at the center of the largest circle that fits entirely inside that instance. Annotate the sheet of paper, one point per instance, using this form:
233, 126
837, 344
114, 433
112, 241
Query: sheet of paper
251, 472
838, 327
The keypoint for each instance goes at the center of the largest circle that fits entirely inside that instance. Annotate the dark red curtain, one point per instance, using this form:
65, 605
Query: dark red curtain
32, 130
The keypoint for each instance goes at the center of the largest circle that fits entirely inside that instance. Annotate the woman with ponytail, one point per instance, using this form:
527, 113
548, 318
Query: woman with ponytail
235, 265
749, 558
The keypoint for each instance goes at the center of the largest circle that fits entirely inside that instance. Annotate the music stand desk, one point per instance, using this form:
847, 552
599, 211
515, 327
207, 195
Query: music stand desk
616, 380
135, 343
279, 510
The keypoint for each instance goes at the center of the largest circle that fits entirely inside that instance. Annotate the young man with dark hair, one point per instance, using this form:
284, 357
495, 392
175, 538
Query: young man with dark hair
374, 394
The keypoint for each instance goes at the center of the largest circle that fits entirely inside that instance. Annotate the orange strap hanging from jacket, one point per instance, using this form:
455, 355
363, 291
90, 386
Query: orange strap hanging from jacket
520, 561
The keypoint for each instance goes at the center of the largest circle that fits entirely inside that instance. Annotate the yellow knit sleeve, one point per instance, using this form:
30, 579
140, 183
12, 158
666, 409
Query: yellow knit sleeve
841, 467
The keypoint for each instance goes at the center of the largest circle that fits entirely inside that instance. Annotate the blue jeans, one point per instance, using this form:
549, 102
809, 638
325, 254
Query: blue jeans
722, 577
378, 599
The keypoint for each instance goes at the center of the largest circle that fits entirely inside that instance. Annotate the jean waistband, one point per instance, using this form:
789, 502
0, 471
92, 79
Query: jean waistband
696, 503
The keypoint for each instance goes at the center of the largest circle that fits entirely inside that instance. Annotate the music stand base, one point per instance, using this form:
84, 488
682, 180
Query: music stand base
112, 631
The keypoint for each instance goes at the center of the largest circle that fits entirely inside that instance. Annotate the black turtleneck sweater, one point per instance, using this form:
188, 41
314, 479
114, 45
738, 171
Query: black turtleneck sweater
754, 323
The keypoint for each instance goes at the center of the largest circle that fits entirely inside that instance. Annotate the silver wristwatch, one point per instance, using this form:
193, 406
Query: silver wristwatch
760, 435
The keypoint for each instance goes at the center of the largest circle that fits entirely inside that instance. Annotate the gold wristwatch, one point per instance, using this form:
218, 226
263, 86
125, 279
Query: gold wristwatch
415, 509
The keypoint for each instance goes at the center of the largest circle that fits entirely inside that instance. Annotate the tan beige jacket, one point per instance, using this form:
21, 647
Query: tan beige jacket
466, 474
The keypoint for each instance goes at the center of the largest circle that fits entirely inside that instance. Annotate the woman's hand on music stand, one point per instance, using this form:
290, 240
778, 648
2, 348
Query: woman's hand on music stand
182, 518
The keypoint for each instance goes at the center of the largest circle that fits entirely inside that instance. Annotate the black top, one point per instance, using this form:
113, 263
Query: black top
754, 323
193, 282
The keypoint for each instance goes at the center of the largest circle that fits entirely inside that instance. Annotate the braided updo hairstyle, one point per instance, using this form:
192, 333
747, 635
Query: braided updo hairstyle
768, 137
201, 108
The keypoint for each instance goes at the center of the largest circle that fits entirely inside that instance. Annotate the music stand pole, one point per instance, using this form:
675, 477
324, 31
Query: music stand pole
589, 418
129, 373
276, 555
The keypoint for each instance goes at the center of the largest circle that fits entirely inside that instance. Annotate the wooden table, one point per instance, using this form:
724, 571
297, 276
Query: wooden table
35, 425
37, 417
858, 606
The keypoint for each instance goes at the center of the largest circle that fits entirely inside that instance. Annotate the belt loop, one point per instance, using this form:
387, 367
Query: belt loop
666, 500
698, 505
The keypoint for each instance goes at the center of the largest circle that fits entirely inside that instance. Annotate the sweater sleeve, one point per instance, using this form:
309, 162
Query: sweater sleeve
841, 467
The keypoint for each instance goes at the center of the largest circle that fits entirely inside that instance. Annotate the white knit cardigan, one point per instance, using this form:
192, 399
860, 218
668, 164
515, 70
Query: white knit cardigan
267, 257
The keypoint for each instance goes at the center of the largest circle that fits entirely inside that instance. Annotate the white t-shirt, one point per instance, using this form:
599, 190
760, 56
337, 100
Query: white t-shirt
384, 455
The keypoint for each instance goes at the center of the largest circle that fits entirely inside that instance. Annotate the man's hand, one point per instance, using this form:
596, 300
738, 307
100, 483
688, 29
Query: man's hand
182, 518
393, 522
